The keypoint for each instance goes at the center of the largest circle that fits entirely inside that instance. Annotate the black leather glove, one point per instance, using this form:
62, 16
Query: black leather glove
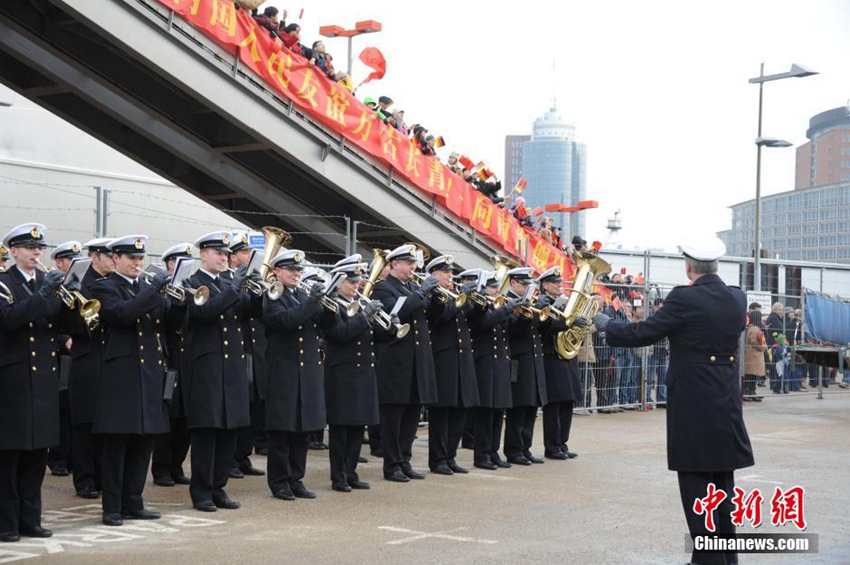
513, 303
159, 280
428, 285
581, 322
317, 291
468, 288
73, 285
52, 280
543, 301
601, 320
239, 276
372, 307
396, 321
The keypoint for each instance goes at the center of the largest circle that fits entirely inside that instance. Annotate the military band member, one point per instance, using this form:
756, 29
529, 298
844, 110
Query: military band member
295, 394
255, 355
59, 457
84, 380
454, 367
29, 383
467, 440
405, 366
563, 383
316, 438
130, 410
351, 387
489, 328
217, 388
528, 377
170, 449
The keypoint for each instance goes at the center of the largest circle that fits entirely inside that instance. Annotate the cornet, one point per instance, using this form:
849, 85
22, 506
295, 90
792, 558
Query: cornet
199, 295
384, 320
89, 308
445, 294
328, 302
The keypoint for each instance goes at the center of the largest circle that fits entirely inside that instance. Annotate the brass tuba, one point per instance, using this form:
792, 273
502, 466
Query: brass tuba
580, 303
379, 261
275, 239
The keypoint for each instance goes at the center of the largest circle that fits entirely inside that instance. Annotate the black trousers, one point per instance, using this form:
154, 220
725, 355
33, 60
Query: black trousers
170, 450
287, 461
86, 458
487, 427
695, 485
398, 430
21, 476
445, 428
246, 438
60, 455
519, 430
604, 382
344, 443
125, 465
212, 460
557, 421
375, 443
586, 375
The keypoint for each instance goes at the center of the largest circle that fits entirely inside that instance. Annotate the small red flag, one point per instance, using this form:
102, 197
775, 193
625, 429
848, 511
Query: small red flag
538, 211
596, 246
374, 59
623, 271
301, 14
466, 162
521, 211
616, 303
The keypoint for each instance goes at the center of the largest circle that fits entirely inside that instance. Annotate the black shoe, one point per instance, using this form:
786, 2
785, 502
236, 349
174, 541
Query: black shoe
519, 460
533, 459
362, 459
488, 465
397, 477
318, 445
284, 493
411, 474
457, 468
251, 470
442, 469
235, 473
300, 491
225, 503
359, 485
559, 455
570, 454
205, 506
112, 519
341, 487
164, 482
88, 492
499, 462
182, 480
36, 532
10, 537
60, 471
142, 514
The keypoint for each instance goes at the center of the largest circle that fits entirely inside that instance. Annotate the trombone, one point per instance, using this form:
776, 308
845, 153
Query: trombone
199, 295
6, 294
89, 308
445, 294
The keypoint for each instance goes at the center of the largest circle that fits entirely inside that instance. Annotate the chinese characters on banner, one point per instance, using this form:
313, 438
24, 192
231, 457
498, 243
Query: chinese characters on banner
785, 507
334, 107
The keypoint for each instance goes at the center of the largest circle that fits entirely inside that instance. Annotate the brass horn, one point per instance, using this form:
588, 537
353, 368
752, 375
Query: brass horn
89, 308
379, 261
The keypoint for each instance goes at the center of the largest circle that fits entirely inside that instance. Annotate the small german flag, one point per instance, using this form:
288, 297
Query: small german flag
439, 141
466, 162
520, 185
485, 173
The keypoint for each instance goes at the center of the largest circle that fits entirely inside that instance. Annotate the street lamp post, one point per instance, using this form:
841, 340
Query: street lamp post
366, 26
796, 71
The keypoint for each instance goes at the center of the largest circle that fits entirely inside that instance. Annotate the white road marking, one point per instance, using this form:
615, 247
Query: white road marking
425, 535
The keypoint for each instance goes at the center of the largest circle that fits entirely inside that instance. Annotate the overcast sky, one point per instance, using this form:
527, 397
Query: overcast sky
656, 89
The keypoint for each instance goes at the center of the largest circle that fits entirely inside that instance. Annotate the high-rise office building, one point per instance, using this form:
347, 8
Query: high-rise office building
811, 222
555, 165
513, 160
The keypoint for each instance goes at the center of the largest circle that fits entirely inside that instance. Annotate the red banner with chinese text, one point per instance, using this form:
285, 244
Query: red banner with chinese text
329, 103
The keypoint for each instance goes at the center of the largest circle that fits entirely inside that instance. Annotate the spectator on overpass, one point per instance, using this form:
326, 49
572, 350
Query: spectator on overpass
270, 20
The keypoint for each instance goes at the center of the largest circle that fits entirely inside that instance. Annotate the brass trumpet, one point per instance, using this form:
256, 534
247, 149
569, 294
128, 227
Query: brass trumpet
445, 295
89, 308
328, 302
6, 294
542, 314
384, 320
199, 295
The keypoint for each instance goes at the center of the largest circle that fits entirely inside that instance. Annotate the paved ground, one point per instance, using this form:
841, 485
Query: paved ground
616, 503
